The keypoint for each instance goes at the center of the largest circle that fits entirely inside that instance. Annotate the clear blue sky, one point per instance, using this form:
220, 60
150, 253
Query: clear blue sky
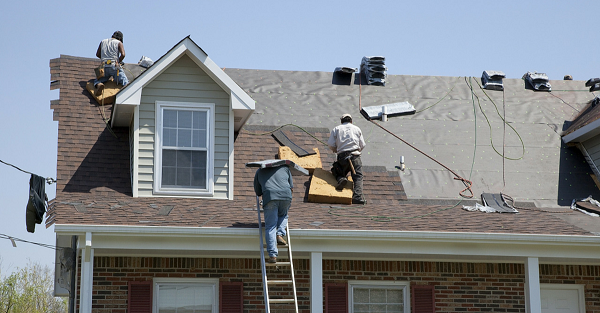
446, 38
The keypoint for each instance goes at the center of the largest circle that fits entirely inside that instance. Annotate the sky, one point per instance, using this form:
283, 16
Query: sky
440, 38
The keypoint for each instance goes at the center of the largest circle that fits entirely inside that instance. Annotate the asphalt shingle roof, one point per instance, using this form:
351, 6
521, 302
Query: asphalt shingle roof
94, 180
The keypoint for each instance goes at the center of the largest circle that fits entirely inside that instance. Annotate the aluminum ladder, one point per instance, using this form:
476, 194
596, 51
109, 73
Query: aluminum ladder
264, 264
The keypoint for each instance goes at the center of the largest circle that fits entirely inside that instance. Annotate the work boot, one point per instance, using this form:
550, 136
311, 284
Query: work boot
359, 201
272, 259
281, 241
100, 89
341, 183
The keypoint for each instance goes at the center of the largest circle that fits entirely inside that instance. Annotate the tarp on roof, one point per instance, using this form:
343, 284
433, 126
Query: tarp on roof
449, 124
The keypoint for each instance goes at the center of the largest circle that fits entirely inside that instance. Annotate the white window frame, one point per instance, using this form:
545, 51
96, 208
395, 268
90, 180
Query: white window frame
214, 282
210, 158
404, 285
579, 287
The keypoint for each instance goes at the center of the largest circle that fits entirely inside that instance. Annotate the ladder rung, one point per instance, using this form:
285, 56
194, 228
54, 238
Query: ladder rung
281, 300
278, 247
278, 263
278, 282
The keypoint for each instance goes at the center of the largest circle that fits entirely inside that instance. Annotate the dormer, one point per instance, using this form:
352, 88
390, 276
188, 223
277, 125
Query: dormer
182, 113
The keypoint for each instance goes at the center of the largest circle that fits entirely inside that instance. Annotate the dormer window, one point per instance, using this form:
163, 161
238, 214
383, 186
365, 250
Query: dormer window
184, 153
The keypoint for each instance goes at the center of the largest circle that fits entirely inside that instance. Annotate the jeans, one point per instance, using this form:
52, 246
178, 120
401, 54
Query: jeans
276, 217
341, 169
111, 70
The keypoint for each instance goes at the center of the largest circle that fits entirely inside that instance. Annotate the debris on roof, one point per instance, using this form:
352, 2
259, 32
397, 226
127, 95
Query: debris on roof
390, 110
285, 140
492, 80
145, 62
322, 189
309, 162
498, 201
538, 81
374, 69
588, 206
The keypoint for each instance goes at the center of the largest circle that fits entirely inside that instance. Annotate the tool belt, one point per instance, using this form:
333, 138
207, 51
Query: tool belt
345, 155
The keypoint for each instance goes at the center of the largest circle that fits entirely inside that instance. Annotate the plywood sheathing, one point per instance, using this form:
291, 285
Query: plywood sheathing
110, 90
310, 162
322, 189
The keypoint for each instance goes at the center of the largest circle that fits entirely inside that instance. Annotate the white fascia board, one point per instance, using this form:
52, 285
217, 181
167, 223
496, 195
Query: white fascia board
465, 246
584, 133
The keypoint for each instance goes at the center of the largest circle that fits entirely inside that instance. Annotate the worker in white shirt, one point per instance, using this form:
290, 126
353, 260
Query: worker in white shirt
347, 141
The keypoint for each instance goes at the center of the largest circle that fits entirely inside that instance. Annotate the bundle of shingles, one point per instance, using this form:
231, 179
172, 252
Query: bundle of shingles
374, 70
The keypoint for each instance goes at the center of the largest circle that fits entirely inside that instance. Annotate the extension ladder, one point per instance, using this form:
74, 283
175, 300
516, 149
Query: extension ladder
264, 264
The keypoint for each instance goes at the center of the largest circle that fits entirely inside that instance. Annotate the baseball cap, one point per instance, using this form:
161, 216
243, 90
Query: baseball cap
346, 115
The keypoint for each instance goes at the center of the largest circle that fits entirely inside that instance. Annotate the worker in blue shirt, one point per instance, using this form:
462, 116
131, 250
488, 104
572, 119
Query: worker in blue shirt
275, 185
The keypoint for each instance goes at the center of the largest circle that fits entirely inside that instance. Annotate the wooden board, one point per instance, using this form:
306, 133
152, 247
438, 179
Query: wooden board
110, 90
310, 162
322, 189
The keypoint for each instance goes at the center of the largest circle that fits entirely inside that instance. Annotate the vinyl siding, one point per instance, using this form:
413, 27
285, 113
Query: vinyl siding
592, 147
183, 81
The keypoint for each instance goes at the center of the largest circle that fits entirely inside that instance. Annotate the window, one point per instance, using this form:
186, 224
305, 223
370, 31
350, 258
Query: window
382, 297
183, 148
185, 295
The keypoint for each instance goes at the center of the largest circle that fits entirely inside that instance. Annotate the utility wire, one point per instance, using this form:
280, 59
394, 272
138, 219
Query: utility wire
14, 239
49, 180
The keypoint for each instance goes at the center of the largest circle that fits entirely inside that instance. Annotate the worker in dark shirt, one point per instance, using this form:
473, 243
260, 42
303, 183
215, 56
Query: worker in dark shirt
275, 185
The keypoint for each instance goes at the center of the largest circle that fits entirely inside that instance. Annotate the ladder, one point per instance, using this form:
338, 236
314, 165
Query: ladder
264, 264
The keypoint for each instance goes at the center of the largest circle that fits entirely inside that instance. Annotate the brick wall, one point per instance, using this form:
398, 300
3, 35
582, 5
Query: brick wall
459, 287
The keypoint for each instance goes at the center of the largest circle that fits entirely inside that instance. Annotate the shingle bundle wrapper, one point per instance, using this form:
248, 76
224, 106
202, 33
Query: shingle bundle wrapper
593, 83
374, 69
539, 81
492, 80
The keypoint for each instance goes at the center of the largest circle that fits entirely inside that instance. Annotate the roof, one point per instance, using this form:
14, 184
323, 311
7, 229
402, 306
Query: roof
94, 188
585, 125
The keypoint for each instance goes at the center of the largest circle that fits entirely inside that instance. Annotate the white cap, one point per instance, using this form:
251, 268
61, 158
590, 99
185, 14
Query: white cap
346, 115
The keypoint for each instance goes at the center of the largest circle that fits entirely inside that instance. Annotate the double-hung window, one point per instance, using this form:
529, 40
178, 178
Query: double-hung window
183, 148
185, 295
385, 297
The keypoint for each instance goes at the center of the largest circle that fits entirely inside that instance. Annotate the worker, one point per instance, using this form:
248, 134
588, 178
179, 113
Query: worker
275, 185
347, 141
111, 52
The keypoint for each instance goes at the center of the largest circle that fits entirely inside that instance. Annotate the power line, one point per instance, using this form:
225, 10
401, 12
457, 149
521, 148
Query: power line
15, 239
49, 180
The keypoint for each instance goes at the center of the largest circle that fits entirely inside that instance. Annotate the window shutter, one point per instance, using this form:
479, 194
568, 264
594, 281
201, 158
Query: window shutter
139, 297
422, 298
336, 298
231, 297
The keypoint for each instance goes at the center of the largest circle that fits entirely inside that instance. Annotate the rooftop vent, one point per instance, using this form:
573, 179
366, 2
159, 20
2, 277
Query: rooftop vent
374, 69
382, 112
492, 80
344, 70
538, 81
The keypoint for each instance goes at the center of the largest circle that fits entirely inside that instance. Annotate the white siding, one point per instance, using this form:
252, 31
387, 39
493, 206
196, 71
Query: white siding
183, 81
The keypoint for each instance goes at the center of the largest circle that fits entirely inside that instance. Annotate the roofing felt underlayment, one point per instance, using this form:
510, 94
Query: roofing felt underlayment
461, 129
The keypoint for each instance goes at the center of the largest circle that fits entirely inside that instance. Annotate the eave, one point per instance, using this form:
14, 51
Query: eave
340, 244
